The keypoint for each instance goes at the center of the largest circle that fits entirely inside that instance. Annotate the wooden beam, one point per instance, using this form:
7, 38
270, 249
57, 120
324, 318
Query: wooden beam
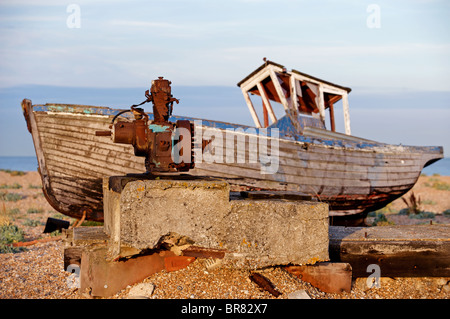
333, 90
290, 111
259, 77
251, 108
279, 90
333, 98
346, 114
298, 88
321, 103
266, 102
294, 92
397, 251
332, 123
27, 107
266, 116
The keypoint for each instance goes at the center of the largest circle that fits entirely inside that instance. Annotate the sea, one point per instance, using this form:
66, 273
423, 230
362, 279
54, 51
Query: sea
29, 163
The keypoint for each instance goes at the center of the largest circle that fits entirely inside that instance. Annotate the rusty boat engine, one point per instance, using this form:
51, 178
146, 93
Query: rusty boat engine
166, 146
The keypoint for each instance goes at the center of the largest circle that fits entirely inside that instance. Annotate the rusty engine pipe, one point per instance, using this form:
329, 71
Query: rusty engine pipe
166, 146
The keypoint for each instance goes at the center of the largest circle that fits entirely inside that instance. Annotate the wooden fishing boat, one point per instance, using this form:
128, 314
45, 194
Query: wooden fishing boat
294, 154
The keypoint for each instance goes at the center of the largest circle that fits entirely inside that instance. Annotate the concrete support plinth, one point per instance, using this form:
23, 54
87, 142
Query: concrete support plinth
143, 213
261, 233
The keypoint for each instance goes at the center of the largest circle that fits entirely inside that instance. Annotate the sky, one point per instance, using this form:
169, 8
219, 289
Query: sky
395, 55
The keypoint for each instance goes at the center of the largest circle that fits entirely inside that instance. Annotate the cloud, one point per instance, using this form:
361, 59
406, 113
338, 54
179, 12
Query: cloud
46, 3
145, 24
204, 42
321, 51
36, 18
423, 66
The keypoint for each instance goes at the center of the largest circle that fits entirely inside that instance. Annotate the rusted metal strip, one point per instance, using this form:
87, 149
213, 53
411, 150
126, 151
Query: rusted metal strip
264, 284
36, 241
328, 277
173, 263
202, 252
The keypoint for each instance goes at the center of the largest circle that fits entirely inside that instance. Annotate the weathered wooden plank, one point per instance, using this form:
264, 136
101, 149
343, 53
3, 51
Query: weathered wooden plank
91, 157
62, 170
396, 251
87, 235
86, 147
401, 152
301, 176
73, 129
351, 158
337, 170
74, 137
289, 177
329, 163
105, 167
288, 186
78, 190
90, 169
73, 198
89, 186
76, 239
347, 167
79, 120
128, 159
318, 168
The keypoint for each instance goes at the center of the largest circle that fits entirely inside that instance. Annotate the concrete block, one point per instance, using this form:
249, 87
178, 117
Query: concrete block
275, 232
254, 233
141, 212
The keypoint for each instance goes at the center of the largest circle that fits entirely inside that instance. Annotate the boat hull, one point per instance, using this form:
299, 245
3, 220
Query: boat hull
352, 177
